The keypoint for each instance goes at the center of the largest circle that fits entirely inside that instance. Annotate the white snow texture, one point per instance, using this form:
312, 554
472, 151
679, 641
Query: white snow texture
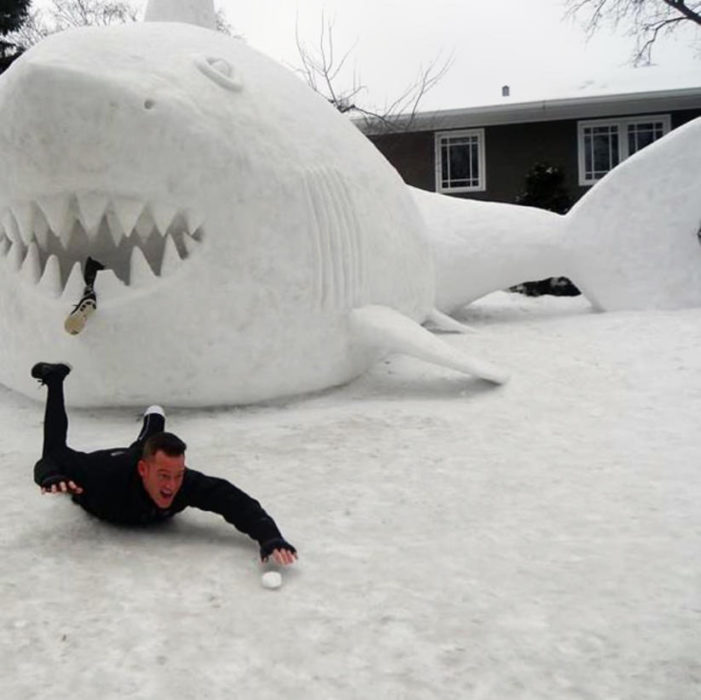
537, 542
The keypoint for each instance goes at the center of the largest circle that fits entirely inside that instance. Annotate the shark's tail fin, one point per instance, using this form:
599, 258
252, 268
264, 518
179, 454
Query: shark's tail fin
634, 237
632, 242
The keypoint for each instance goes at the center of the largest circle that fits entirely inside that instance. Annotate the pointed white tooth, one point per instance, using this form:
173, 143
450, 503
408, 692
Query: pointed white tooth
15, 256
109, 287
194, 220
163, 215
140, 272
55, 210
190, 245
171, 259
114, 226
75, 284
11, 228
23, 216
31, 267
128, 212
50, 281
41, 229
92, 208
144, 225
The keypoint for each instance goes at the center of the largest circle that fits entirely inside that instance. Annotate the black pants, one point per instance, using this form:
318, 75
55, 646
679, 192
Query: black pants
58, 458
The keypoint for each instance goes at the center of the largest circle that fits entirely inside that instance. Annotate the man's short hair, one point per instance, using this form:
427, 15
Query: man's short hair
171, 444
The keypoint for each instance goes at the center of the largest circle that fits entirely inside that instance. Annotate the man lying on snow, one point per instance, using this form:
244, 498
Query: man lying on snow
146, 482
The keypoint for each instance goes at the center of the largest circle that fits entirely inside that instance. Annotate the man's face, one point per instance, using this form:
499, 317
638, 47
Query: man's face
162, 477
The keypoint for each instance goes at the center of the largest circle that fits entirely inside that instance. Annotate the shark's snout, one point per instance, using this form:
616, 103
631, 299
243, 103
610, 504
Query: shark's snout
83, 153
47, 239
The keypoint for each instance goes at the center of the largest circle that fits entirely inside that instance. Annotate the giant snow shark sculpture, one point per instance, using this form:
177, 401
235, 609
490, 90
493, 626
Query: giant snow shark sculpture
257, 244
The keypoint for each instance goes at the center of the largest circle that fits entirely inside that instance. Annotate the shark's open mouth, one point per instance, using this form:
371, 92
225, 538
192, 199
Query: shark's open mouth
48, 239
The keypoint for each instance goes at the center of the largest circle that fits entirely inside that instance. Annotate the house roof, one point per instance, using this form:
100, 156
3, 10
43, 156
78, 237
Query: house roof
590, 100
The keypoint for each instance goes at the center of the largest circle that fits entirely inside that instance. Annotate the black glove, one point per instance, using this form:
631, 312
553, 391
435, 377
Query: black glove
267, 548
56, 479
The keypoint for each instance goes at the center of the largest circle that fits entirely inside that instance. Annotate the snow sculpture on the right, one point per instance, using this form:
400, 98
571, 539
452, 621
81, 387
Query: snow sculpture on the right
633, 238
632, 242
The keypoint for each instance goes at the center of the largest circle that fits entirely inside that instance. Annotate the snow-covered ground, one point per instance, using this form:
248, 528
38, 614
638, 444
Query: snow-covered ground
537, 540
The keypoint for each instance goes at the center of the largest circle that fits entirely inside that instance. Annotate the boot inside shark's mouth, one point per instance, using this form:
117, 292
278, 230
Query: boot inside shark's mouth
48, 239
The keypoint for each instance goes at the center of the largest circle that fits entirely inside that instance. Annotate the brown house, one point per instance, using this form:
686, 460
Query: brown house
486, 152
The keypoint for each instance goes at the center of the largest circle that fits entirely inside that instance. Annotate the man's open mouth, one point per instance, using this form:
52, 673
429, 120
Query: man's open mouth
47, 240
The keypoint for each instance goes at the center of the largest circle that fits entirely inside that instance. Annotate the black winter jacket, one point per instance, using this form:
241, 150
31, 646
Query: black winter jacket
113, 491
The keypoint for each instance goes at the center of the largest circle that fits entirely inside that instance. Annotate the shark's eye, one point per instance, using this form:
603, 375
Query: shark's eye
220, 71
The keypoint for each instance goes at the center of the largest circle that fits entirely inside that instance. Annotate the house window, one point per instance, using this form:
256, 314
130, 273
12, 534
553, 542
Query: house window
460, 161
603, 144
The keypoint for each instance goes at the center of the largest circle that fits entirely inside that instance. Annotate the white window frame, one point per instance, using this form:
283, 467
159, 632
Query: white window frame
621, 126
440, 136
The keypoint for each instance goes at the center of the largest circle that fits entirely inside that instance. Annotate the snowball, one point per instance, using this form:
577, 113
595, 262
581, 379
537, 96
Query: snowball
271, 579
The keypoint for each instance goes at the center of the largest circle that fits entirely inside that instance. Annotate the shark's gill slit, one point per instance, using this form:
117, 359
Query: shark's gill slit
136, 241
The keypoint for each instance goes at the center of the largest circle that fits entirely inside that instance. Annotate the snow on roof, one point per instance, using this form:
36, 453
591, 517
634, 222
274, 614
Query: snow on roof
627, 91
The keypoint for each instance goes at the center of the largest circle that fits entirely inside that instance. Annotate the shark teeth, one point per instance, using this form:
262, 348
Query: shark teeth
73, 289
31, 267
50, 281
8, 223
92, 208
127, 212
55, 211
163, 215
140, 272
24, 218
47, 240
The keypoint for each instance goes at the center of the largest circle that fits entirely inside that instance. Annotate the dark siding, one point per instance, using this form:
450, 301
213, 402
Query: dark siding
412, 155
511, 151
679, 118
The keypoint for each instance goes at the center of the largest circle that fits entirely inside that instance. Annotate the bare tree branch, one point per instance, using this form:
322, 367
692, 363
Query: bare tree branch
64, 14
645, 20
321, 71
321, 67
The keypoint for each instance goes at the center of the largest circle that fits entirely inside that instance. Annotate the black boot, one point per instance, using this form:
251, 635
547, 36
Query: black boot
47, 372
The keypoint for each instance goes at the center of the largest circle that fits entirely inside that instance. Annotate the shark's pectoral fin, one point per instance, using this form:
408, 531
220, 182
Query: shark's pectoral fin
438, 321
390, 331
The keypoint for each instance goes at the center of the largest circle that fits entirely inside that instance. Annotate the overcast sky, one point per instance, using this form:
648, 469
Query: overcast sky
526, 44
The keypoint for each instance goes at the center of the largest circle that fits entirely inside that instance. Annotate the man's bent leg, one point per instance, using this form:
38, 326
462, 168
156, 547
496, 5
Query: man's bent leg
56, 455
55, 418
154, 422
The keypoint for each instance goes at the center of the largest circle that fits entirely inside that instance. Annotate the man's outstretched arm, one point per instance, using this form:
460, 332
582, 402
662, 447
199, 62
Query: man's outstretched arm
54, 479
243, 512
